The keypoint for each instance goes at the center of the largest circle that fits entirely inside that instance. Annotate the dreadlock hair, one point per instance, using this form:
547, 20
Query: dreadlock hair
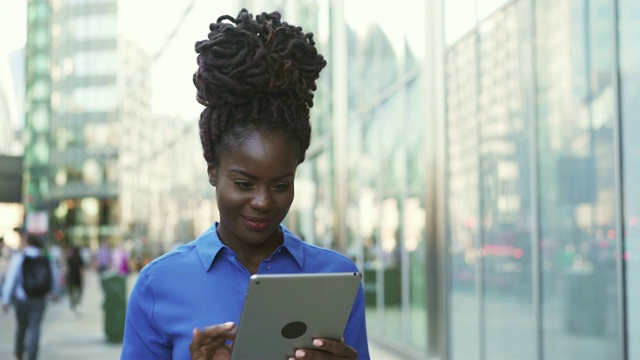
255, 75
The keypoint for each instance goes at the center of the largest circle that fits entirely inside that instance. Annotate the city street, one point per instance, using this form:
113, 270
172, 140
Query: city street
65, 336
69, 337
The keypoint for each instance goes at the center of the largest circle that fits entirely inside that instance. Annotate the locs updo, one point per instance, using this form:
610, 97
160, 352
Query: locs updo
255, 75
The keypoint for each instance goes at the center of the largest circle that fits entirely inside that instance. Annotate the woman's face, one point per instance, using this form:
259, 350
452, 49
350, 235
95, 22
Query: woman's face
254, 190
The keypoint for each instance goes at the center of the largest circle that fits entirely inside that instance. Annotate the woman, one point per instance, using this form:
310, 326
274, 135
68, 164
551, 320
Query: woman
256, 79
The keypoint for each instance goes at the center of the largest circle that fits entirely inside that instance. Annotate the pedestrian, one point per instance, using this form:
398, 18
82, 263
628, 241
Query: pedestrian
75, 278
256, 80
103, 257
29, 309
120, 261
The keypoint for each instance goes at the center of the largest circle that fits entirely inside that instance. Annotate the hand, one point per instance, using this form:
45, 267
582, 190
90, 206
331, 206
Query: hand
211, 343
327, 349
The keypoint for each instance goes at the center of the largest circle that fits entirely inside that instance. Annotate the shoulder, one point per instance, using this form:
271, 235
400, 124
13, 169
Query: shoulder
14, 263
321, 259
17, 256
176, 260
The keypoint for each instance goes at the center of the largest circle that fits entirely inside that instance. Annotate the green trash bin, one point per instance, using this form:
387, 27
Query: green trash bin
115, 306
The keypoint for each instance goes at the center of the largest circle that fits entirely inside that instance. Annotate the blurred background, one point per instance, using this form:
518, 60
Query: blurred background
475, 158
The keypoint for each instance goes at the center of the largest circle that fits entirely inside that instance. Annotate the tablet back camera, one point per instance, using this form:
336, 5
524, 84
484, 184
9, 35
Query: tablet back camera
294, 330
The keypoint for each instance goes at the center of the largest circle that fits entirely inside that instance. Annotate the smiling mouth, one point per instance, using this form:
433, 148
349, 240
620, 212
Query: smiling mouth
256, 225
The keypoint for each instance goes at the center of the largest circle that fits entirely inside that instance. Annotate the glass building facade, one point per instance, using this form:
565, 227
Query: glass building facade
81, 93
501, 194
37, 106
365, 186
540, 174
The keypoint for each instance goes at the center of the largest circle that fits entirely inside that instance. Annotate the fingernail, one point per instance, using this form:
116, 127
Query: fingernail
300, 353
317, 342
228, 324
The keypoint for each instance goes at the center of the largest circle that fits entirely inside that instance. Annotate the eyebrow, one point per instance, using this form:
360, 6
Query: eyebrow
253, 177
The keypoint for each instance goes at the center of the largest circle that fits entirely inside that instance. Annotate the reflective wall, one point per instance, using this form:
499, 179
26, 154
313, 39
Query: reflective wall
628, 12
542, 182
366, 173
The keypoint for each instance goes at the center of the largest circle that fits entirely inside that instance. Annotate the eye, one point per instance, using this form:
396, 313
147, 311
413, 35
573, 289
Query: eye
243, 185
281, 187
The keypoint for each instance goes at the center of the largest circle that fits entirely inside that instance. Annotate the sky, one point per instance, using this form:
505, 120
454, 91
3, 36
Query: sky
13, 25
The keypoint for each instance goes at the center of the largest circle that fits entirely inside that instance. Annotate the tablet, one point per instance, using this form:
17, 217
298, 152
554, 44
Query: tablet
285, 312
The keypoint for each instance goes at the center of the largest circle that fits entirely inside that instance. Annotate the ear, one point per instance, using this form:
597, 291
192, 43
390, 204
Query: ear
213, 174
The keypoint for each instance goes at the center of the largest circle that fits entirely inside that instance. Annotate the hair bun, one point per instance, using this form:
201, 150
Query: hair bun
263, 57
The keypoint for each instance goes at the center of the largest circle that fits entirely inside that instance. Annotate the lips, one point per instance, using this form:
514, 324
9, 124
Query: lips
255, 224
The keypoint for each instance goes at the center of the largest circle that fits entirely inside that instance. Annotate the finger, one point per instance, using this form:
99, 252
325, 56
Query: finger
196, 340
338, 348
206, 347
215, 330
212, 335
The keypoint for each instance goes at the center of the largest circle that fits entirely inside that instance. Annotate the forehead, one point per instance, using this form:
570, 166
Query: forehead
261, 152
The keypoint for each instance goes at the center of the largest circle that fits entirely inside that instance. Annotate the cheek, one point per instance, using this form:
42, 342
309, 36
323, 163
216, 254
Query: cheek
283, 203
228, 198
287, 200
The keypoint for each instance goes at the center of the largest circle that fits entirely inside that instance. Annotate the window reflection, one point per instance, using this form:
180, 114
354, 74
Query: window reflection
629, 59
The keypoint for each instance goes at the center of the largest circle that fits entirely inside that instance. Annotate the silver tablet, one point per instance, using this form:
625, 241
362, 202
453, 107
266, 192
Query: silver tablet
285, 312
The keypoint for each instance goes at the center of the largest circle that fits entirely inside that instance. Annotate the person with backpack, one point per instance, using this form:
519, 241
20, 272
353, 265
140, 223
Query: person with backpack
30, 279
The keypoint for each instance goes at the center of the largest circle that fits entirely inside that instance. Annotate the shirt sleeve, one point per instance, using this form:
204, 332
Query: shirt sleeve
11, 277
142, 337
355, 334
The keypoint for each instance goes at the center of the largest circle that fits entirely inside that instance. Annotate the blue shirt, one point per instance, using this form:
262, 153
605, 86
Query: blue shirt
202, 283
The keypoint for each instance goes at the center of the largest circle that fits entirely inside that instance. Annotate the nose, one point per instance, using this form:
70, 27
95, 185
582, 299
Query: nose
262, 200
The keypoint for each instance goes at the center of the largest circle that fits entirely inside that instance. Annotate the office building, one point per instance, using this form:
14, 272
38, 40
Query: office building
85, 83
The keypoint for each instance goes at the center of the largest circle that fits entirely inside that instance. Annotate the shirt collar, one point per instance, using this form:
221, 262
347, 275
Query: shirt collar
294, 245
209, 245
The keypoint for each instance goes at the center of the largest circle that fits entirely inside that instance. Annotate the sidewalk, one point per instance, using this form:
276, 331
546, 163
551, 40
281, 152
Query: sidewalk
64, 336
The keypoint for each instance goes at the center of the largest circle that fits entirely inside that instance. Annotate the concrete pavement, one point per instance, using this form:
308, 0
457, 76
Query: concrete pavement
69, 337
64, 335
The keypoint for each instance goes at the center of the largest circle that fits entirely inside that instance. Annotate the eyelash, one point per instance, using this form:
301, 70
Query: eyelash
244, 185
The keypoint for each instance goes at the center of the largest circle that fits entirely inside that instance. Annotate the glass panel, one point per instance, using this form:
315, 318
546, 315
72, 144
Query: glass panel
40, 152
386, 190
40, 119
97, 26
463, 208
414, 215
103, 62
100, 135
40, 37
505, 198
40, 90
37, 10
93, 98
39, 63
576, 172
91, 172
629, 28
